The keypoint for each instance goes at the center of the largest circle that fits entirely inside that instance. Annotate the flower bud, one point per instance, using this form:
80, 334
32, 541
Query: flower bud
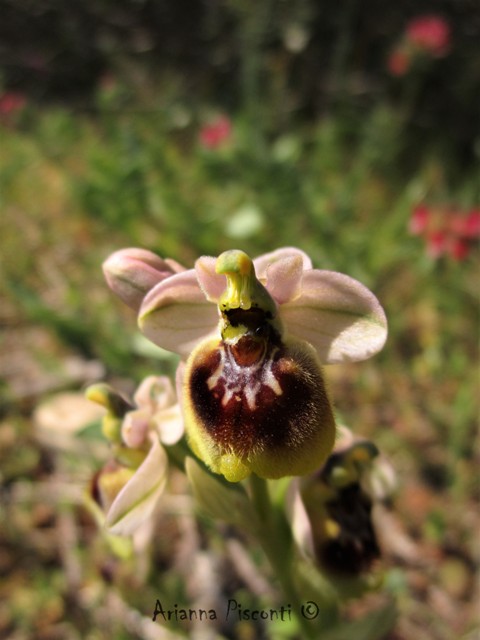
117, 406
108, 397
108, 483
131, 273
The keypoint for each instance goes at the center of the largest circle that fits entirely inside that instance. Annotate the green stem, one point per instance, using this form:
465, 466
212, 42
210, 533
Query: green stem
276, 542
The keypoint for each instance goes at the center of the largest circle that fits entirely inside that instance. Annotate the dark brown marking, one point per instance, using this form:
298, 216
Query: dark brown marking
277, 421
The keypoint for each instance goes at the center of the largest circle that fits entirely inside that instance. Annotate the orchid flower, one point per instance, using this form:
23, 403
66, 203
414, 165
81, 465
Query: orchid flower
129, 487
253, 336
331, 510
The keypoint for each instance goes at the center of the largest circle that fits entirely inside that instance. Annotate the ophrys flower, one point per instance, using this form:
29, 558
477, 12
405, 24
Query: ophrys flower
331, 510
129, 487
254, 334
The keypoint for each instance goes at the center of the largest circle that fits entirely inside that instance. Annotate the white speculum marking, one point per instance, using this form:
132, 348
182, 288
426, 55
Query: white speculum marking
240, 380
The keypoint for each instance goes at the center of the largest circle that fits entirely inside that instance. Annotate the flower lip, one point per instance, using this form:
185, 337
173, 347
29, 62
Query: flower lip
264, 409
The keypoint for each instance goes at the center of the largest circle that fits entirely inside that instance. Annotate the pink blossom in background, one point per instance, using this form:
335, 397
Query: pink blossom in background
216, 133
419, 219
11, 102
458, 248
446, 231
466, 226
436, 243
430, 33
398, 62
471, 224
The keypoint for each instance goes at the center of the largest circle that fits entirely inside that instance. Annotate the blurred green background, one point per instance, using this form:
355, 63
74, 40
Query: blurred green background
192, 127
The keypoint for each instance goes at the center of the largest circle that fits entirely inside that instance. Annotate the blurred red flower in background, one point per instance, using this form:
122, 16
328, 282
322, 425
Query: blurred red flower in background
11, 102
446, 231
419, 219
429, 33
467, 226
214, 134
459, 248
398, 62
436, 243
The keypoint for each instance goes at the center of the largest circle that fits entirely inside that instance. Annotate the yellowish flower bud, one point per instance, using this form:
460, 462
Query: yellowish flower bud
108, 483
